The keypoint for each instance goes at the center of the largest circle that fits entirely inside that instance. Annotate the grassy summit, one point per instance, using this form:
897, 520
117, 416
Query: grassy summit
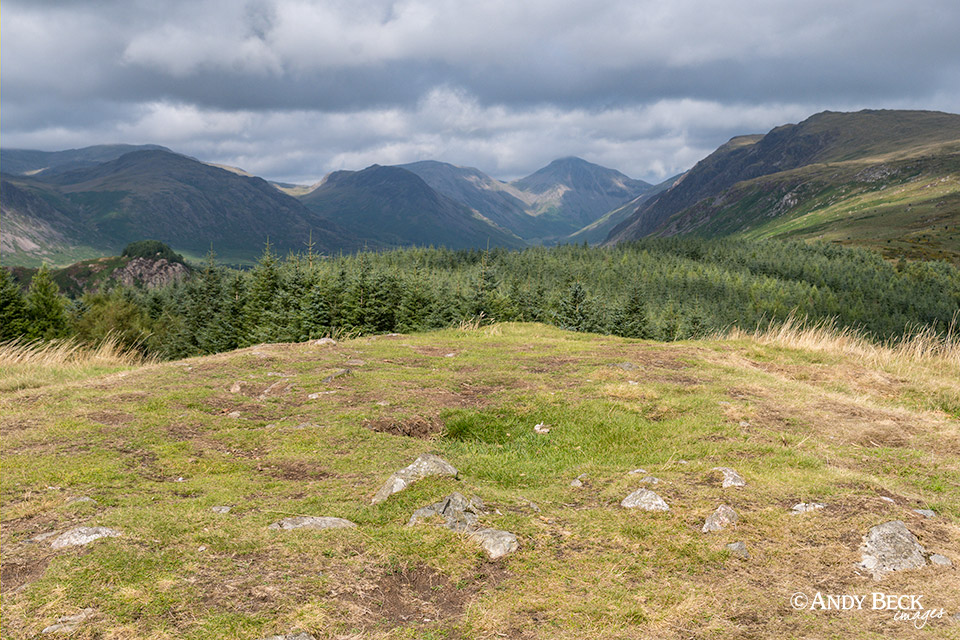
804, 417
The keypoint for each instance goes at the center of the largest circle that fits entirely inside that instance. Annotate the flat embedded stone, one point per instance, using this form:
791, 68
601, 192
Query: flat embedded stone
496, 543
804, 507
891, 547
80, 536
739, 549
943, 561
312, 522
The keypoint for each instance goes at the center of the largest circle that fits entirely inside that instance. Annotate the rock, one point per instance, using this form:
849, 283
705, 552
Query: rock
323, 342
459, 513
637, 471
730, 477
650, 480
804, 507
496, 543
886, 499
301, 635
80, 500
891, 547
541, 428
223, 509
42, 536
233, 414
578, 481
235, 387
333, 376
424, 466
926, 513
68, 624
646, 500
312, 522
738, 549
82, 535
150, 272
720, 518
626, 366
943, 561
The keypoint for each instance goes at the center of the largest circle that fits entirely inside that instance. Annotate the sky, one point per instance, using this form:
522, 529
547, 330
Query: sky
293, 89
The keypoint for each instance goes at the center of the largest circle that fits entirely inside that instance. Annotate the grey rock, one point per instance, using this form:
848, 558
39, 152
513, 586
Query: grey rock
646, 500
68, 624
233, 414
650, 480
80, 500
730, 477
42, 536
333, 376
926, 513
82, 535
738, 549
496, 543
236, 387
323, 342
720, 518
626, 366
312, 522
804, 507
424, 466
891, 547
578, 481
301, 635
459, 513
943, 561
637, 471
223, 509
888, 499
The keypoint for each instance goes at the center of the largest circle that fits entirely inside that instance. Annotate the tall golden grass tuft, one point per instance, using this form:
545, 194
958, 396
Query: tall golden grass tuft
33, 364
923, 346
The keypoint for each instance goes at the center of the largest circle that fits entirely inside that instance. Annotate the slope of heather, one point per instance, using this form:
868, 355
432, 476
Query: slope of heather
287, 430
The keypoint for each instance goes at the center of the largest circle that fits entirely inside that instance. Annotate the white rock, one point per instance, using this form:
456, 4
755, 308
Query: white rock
720, 518
81, 536
312, 522
541, 428
941, 560
646, 500
730, 477
424, 466
804, 507
323, 342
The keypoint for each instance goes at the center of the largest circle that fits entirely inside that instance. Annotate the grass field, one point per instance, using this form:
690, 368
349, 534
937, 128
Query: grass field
871, 432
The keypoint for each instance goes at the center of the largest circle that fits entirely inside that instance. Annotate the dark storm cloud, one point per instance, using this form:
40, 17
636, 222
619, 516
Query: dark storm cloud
294, 88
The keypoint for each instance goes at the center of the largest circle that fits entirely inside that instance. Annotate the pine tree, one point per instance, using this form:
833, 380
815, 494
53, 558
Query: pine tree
46, 308
261, 295
13, 308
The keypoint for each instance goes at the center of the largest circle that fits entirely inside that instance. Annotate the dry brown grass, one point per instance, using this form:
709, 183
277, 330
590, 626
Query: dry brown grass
33, 364
926, 346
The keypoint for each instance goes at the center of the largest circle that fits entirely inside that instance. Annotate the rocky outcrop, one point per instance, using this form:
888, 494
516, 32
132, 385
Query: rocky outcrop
151, 273
424, 466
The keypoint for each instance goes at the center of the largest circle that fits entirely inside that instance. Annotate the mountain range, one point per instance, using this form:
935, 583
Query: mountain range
887, 179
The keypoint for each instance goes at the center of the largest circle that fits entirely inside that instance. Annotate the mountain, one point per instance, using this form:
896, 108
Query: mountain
544, 207
172, 198
571, 193
889, 179
390, 206
30, 162
596, 232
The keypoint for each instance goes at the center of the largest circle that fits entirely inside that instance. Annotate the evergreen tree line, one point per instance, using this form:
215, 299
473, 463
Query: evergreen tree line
664, 289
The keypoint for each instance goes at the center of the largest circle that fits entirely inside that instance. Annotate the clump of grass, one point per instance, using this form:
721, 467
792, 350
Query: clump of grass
24, 365
925, 345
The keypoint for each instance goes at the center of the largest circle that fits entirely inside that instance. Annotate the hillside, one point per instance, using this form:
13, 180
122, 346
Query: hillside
30, 162
188, 463
182, 202
390, 206
863, 178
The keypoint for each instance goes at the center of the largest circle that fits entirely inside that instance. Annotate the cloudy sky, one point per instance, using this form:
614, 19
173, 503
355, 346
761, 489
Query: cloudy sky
292, 89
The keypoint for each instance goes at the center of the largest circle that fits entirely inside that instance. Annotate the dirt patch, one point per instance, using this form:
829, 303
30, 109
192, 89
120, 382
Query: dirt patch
110, 418
415, 427
293, 470
16, 573
411, 596
434, 351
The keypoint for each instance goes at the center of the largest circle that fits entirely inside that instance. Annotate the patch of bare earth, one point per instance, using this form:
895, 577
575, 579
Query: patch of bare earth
415, 427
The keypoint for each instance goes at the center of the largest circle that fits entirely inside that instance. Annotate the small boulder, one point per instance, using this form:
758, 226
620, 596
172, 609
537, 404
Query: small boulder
235, 387
496, 543
637, 471
891, 547
646, 500
720, 518
739, 549
459, 513
222, 509
424, 466
730, 477
650, 480
80, 536
322, 342
333, 376
312, 522
926, 513
577, 482
80, 500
